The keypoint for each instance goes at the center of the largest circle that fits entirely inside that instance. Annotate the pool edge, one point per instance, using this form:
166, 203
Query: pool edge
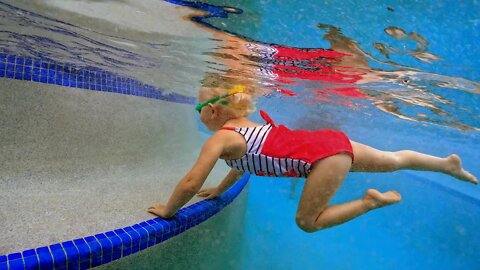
102, 248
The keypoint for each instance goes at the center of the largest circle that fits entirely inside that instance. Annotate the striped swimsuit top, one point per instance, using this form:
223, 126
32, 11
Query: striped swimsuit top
255, 162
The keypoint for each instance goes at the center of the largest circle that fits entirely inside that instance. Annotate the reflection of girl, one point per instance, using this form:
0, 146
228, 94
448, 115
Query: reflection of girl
324, 157
345, 65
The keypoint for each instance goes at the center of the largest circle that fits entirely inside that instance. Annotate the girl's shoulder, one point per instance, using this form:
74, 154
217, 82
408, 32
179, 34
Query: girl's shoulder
241, 123
232, 143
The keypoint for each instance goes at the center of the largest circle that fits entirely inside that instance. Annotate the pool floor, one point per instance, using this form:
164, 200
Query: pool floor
76, 162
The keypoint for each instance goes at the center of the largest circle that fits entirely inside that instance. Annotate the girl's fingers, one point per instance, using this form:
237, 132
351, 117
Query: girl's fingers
154, 206
153, 211
204, 193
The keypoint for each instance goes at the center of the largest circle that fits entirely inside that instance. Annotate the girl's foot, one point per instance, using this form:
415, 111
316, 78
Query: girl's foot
455, 169
375, 199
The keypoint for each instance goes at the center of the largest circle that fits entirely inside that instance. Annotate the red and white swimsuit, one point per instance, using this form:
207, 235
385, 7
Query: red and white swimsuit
278, 151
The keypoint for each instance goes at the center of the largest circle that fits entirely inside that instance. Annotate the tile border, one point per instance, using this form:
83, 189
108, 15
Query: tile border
44, 70
98, 249
102, 248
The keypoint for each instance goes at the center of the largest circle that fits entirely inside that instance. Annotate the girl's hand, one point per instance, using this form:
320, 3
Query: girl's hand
160, 210
209, 193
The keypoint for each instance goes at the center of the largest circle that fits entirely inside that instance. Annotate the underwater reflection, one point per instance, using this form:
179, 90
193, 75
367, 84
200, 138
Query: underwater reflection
343, 75
421, 52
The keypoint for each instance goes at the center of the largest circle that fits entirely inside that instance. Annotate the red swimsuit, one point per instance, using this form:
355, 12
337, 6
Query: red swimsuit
278, 151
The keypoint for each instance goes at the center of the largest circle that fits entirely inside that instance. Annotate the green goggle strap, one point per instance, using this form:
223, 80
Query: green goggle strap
213, 100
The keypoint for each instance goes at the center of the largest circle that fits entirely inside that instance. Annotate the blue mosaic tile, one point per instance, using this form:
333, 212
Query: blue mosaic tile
27, 74
83, 253
18, 76
10, 70
59, 255
107, 247
158, 231
15, 261
116, 245
3, 65
3, 262
172, 223
51, 73
28, 61
35, 76
90, 78
95, 251
19, 61
66, 80
143, 235
135, 236
43, 72
127, 242
45, 258
182, 220
73, 255
30, 259
151, 233
11, 59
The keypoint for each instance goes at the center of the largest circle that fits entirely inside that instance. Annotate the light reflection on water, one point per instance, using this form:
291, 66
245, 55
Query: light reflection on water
340, 74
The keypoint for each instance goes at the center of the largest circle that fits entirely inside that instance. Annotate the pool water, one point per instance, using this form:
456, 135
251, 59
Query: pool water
399, 75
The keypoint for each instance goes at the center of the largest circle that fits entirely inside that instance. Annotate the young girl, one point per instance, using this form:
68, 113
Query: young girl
324, 157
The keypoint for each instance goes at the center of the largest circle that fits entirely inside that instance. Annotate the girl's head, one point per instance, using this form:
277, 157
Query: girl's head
236, 100
233, 92
227, 95
218, 105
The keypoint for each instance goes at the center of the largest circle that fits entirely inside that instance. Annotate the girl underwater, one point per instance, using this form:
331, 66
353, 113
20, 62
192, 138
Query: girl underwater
323, 157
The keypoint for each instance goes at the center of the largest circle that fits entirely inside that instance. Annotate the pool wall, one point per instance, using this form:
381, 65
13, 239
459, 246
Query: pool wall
101, 248
44, 70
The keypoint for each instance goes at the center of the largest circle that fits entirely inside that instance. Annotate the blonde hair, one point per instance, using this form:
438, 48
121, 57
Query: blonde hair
240, 101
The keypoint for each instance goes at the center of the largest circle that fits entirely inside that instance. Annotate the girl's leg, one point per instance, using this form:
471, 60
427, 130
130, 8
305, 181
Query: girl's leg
369, 159
313, 211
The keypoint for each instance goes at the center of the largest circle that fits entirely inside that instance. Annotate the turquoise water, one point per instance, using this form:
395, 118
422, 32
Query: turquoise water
416, 87
434, 227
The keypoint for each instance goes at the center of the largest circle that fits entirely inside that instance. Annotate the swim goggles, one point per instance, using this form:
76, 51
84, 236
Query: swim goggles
235, 90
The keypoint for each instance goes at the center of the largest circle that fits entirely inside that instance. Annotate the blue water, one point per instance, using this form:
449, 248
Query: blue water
436, 103
452, 28
434, 227
429, 230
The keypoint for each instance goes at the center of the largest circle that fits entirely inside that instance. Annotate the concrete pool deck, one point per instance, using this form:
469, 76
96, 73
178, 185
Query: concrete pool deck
76, 162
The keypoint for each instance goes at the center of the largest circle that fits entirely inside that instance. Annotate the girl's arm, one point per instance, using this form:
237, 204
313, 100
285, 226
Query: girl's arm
193, 180
227, 182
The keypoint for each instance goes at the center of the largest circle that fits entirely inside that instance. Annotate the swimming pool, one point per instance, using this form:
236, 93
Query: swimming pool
411, 83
